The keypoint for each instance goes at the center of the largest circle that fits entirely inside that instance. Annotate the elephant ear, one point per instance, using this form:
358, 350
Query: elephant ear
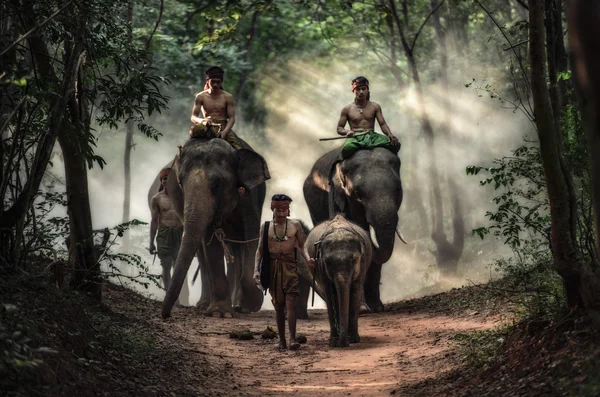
252, 168
338, 202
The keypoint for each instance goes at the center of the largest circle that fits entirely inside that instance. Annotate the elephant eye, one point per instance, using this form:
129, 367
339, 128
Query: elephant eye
357, 197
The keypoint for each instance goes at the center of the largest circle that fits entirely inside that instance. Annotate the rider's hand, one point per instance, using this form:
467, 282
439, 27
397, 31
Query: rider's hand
393, 140
257, 278
152, 249
223, 134
349, 134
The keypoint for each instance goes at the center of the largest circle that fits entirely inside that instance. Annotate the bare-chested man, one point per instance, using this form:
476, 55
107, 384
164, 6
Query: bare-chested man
361, 115
217, 108
167, 223
284, 236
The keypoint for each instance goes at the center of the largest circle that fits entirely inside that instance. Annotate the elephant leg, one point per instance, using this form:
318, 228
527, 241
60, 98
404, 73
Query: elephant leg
372, 282
252, 297
167, 264
234, 275
355, 301
302, 299
220, 297
332, 309
184, 295
204, 301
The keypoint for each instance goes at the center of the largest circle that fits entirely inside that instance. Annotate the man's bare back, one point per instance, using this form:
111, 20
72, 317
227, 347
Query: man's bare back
162, 207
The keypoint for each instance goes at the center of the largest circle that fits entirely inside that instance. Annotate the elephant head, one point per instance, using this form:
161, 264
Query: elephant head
204, 184
367, 189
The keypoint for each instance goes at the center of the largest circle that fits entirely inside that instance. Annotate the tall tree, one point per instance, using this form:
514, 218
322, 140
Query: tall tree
584, 33
447, 254
578, 278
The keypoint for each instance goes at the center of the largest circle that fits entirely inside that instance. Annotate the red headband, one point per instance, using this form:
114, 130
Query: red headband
163, 173
358, 84
280, 204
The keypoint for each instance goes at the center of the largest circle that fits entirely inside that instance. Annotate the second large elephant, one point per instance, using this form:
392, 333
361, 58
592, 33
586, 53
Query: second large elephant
365, 188
218, 218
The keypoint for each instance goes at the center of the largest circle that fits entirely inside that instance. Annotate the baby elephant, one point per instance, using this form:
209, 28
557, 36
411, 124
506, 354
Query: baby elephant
343, 253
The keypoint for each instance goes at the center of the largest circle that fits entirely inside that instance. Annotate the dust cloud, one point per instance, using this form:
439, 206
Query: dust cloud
303, 104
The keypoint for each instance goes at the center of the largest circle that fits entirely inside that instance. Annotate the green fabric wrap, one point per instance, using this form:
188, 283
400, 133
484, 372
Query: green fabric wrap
368, 141
168, 240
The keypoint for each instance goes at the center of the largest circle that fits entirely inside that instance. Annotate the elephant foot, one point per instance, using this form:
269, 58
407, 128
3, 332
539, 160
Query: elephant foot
339, 342
202, 305
354, 338
219, 309
166, 313
375, 306
239, 309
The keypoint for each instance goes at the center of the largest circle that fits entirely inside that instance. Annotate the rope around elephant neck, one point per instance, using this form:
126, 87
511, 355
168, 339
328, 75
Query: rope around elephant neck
220, 235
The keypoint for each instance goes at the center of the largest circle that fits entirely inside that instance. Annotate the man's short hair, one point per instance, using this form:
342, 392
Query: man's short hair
281, 197
359, 81
214, 72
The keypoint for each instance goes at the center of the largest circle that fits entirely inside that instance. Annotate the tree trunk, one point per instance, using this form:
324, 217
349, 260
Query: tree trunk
17, 212
251, 35
567, 259
86, 270
584, 30
447, 254
128, 148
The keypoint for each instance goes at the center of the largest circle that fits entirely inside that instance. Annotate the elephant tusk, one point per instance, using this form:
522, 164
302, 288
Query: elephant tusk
373, 236
399, 233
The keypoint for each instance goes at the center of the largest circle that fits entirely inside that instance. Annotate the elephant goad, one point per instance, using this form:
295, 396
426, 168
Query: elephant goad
367, 190
217, 220
343, 253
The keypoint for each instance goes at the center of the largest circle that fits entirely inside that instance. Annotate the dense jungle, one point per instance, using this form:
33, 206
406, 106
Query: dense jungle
480, 236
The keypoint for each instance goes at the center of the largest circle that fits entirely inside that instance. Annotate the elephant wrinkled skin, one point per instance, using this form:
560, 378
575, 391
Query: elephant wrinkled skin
203, 185
343, 252
366, 188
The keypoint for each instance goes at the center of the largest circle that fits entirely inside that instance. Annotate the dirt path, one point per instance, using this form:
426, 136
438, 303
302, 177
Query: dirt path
396, 349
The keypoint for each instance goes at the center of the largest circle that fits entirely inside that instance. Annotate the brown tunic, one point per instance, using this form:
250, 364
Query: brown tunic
284, 279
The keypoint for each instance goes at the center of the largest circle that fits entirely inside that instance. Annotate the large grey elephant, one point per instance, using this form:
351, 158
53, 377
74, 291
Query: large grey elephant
343, 253
218, 218
366, 188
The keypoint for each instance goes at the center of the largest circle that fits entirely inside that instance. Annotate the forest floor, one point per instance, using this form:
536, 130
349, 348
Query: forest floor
54, 342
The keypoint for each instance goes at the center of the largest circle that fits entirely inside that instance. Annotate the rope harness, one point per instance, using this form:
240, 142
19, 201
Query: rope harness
219, 234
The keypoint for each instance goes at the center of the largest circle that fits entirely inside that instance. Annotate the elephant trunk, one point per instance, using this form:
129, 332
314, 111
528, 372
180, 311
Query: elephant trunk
342, 285
383, 220
195, 224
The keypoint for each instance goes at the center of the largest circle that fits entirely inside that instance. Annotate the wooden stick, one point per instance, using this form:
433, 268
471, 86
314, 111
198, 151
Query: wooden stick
343, 137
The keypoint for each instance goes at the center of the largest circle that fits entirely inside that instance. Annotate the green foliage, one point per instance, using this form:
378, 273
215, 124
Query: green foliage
16, 354
521, 218
481, 349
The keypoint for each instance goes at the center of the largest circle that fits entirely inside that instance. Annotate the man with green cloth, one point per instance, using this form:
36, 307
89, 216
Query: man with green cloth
213, 114
166, 226
361, 115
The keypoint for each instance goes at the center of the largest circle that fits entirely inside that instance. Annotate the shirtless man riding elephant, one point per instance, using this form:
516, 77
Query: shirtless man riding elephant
218, 110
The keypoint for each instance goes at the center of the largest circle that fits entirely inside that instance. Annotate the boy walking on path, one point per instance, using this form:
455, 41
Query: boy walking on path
284, 236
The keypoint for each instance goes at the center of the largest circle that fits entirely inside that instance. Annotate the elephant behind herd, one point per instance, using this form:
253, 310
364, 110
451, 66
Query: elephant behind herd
204, 186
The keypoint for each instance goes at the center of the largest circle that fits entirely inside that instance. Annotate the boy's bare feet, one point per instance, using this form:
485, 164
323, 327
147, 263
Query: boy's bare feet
294, 345
281, 346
